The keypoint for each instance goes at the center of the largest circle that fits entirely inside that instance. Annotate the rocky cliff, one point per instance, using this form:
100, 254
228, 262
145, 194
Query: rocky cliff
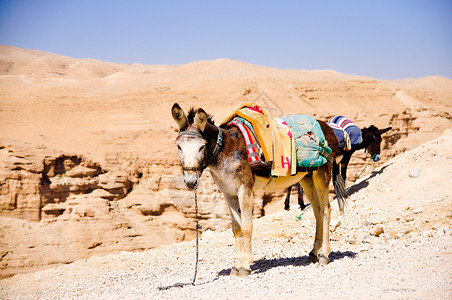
57, 207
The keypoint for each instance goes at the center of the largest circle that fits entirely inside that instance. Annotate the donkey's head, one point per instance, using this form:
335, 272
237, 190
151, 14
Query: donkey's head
372, 140
191, 143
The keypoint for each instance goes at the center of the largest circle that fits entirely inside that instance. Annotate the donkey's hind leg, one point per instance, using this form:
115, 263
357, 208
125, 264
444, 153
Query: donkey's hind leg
308, 186
321, 181
287, 201
300, 197
316, 189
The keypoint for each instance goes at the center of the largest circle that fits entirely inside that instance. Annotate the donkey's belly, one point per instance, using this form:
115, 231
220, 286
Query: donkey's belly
276, 184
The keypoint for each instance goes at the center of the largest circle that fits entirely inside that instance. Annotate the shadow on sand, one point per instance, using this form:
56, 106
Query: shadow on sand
365, 183
263, 265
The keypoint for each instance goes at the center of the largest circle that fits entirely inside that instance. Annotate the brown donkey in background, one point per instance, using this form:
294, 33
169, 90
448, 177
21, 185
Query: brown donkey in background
201, 144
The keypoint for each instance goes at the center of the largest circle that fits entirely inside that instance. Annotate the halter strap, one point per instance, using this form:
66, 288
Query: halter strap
211, 155
191, 133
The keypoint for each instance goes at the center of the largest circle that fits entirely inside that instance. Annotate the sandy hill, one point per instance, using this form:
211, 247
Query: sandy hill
61, 118
60, 101
393, 241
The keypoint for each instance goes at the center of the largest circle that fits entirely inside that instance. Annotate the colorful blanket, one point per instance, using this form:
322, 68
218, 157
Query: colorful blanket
311, 147
274, 138
253, 149
347, 132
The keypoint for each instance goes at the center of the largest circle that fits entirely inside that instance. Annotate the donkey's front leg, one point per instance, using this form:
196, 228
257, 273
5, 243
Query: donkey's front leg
241, 208
246, 206
236, 221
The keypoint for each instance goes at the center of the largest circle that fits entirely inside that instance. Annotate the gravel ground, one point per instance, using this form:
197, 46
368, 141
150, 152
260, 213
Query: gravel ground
420, 270
394, 241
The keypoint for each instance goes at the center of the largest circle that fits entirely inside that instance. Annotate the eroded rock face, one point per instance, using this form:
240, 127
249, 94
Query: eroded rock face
57, 207
38, 184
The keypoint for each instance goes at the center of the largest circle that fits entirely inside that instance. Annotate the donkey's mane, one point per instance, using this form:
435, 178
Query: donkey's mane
191, 116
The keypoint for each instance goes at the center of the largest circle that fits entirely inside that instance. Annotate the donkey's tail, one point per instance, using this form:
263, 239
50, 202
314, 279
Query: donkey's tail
340, 190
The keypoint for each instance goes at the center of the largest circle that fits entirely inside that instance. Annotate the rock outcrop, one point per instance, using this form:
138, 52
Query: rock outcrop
40, 184
57, 207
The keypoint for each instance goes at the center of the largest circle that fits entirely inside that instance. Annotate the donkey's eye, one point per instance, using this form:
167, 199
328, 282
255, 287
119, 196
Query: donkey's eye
178, 147
202, 148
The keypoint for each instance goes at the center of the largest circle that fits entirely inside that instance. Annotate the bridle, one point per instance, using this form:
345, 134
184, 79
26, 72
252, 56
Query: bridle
370, 145
374, 142
211, 154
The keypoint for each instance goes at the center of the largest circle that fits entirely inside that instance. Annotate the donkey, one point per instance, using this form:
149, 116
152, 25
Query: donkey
370, 141
202, 144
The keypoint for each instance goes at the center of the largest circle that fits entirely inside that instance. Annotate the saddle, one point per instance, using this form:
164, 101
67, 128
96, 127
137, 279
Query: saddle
279, 146
275, 140
311, 147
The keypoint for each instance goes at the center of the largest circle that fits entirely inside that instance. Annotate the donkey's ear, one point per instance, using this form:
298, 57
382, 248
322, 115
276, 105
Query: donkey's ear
179, 116
381, 131
201, 119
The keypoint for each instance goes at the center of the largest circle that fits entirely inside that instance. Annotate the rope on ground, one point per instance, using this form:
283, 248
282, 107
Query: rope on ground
179, 284
195, 195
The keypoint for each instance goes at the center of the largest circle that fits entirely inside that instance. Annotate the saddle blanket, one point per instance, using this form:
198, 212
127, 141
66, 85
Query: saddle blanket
285, 142
347, 132
311, 147
253, 149
275, 139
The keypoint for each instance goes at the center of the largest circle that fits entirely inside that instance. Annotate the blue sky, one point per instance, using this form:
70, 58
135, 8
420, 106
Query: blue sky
378, 38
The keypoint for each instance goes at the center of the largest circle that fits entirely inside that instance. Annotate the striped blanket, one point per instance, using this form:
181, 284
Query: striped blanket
253, 148
347, 132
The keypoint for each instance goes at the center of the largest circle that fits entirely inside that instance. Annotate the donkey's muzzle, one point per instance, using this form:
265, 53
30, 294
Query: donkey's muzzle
191, 180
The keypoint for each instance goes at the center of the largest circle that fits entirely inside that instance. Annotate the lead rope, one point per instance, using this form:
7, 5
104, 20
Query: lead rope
195, 196
361, 172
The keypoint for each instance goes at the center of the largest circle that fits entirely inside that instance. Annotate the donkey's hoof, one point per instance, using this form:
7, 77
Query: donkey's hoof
323, 260
313, 258
234, 271
243, 272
